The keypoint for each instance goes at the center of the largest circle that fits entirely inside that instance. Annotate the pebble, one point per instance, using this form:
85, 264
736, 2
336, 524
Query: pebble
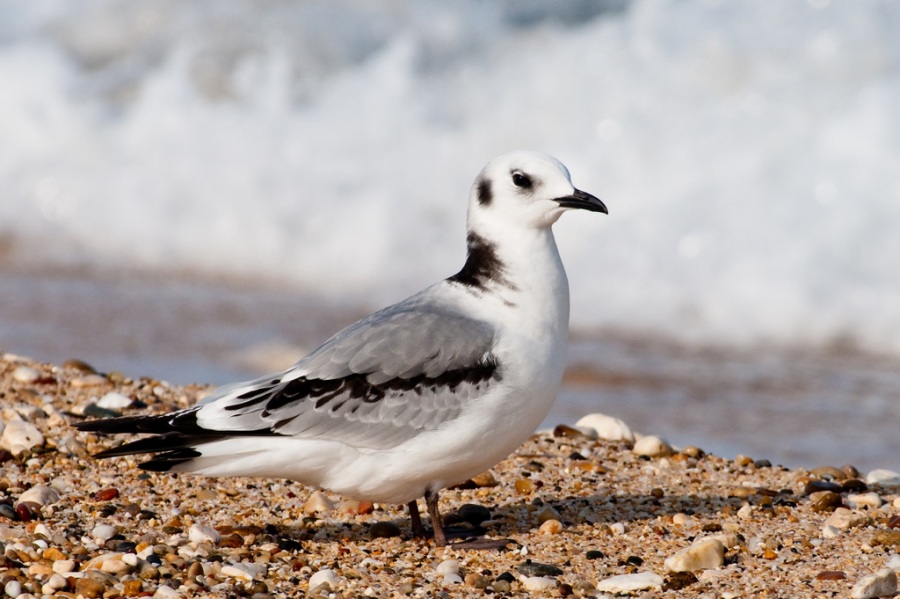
40, 494
19, 436
824, 501
114, 401
201, 533
893, 562
63, 566
448, 566
607, 427
166, 592
843, 519
885, 478
89, 380
25, 374
628, 583
53, 584
551, 527
652, 446
872, 500
243, 571
318, 502
103, 532
13, 588
881, 584
530, 568
830, 532
704, 554
538, 583
473, 513
89, 587
324, 579
485, 479
451, 579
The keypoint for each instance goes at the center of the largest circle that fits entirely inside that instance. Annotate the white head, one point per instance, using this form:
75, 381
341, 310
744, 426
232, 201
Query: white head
525, 189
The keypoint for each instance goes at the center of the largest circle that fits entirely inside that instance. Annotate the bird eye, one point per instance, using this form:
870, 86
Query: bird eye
521, 180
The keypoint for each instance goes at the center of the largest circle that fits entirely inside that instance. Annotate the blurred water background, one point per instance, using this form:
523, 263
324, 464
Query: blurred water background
197, 191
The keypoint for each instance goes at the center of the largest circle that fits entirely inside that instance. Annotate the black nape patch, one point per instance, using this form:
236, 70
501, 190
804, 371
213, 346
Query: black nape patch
484, 192
482, 265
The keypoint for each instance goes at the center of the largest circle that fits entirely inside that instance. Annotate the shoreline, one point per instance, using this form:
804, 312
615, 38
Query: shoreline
578, 513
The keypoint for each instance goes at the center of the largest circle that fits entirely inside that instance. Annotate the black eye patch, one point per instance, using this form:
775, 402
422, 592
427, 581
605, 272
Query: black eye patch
521, 180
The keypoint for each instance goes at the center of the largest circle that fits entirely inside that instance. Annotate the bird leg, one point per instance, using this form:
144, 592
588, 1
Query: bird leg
417, 529
431, 500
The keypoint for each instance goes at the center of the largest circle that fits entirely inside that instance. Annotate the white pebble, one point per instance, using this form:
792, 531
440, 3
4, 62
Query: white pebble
53, 584
324, 579
243, 570
843, 519
617, 528
64, 566
885, 478
830, 532
881, 584
746, 512
25, 374
41, 495
628, 583
114, 401
450, 579
448, 566
102, 533
20, 436
165, 592
704, 554
652, 446
893, 562
201, 533
607, 427
13, 588
538, 583
872, 500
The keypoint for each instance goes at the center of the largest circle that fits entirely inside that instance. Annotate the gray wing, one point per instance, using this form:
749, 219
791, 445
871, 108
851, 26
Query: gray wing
408, 368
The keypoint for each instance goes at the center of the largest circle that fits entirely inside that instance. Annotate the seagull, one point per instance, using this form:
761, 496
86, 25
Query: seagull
419, 396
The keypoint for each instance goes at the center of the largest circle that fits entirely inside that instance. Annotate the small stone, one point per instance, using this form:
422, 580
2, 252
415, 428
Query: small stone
448, 566
524, 486
40, 494
166, 592
530, 568
451, 579
473, 513
844, 519
828, 472
564, 430
9, 512
893, 562
324, 579
106, 494
132, 588
103, 532
384, 530
824, 501
318, 502
628, 583
814, 486
831, 575
607, 427
746, 512
593, 554
859, 500
242, 571
485, 479
501, 586
114, 401
64, 566
25, 374
551, 527
885, 478
702, 555
477, 581
887, 538
830, 532
881, 584
20, 436
89, 587
201, 533
652, 446
88, 380
679, 580
13, 588
538, 583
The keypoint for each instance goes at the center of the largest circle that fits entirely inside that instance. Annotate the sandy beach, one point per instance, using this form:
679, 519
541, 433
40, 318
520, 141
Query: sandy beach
583, 517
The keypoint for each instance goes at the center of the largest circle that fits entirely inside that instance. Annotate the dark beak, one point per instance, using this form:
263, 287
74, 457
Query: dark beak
584, 201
